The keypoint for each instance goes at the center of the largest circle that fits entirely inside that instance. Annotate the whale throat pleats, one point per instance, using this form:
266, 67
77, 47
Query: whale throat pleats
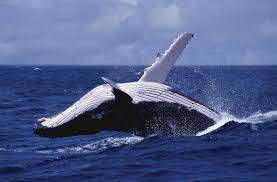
159, 70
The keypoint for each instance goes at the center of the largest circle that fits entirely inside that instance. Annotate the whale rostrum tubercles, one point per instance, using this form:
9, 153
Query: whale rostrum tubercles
143, 108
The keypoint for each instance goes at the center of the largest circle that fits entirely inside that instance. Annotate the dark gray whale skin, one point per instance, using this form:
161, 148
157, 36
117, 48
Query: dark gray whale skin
145, 118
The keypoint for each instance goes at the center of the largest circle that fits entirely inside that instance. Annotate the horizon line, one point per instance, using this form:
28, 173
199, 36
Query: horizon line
134, 65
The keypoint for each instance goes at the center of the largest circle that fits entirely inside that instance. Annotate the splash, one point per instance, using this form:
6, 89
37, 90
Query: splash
255, 118
93, 147
111, 142
98, 146
259, 117
9, 150
225, 118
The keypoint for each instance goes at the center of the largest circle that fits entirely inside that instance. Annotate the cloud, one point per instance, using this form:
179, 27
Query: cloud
109, 22
165, 17
128, 2
6, 49
133, 31
29, 4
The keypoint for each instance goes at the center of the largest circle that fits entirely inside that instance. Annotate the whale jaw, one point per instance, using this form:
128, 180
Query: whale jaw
81, 125
109, 115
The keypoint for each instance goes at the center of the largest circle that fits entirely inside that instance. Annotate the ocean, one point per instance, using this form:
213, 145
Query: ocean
240, 147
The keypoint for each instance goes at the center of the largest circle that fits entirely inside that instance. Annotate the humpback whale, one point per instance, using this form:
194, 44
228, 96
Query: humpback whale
144, 107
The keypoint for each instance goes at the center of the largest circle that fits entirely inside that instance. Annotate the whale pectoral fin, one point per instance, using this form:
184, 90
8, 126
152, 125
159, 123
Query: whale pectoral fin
159, 70
119, 94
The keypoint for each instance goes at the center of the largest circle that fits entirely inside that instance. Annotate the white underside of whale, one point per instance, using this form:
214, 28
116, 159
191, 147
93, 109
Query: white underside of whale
139, 91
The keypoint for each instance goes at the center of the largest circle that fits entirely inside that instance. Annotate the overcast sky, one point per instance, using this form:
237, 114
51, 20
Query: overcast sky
131, 32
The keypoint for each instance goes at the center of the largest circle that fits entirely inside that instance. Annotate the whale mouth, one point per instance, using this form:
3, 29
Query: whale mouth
40, 130
66, 129
44, 131
80, 125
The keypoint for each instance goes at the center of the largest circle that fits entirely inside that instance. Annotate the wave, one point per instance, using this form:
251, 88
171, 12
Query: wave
111, 142
93, 147
255, 118
97, 146
9, 150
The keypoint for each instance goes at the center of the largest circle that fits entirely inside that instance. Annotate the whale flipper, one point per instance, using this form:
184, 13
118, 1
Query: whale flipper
159, 70
119, 94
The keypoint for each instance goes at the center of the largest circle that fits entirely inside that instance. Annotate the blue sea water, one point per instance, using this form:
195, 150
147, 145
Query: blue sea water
244, 149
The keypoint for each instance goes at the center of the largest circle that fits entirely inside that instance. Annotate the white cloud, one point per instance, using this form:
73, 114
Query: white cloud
165, 17
128, 2
134, 30
110, 21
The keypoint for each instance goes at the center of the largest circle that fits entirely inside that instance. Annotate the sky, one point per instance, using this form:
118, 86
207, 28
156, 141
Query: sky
131, 32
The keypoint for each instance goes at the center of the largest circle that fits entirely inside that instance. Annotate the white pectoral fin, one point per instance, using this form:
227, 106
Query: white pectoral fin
159, 70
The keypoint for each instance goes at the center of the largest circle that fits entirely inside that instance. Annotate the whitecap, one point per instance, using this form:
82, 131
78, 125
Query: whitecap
225, 118
259, 117
253, 119
99, 145
9, 150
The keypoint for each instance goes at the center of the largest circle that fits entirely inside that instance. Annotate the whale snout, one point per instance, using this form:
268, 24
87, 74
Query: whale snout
44, 129
41, 130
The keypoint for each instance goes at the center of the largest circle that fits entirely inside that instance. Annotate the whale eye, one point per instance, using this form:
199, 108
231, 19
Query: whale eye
100, 115
97, 116
101, 111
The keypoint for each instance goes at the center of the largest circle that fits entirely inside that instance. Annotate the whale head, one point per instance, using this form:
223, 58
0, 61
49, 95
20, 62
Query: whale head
96, 111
